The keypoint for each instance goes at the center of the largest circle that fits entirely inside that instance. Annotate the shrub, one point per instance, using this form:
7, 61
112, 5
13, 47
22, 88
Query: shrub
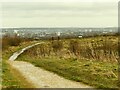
74, 47
10, 41
57, 46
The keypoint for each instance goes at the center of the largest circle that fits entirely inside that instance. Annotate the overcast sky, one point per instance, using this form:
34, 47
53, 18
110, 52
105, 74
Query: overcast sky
60, 13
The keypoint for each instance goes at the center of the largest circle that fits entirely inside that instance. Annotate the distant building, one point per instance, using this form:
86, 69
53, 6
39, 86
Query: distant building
58, 33
15, 31
80, 36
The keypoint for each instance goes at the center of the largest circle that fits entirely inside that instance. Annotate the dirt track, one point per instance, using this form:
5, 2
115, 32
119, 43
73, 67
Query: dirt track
41, 78
44, 79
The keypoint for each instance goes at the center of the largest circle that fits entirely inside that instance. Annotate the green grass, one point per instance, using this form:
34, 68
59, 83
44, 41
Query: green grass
94, 73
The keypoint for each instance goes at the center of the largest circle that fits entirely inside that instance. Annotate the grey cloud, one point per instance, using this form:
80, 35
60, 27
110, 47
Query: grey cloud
58, 6
28, 10
28, 14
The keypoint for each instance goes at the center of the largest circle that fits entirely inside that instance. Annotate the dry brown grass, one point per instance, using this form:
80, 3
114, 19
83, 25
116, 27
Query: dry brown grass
100, 48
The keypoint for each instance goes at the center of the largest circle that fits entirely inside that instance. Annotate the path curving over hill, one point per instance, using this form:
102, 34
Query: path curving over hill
16, 54
41, 78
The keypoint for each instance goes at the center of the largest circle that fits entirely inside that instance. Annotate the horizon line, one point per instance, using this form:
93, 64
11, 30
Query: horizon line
63, 27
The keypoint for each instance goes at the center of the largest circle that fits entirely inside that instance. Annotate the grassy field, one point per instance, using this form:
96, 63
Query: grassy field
93, 61
11, 78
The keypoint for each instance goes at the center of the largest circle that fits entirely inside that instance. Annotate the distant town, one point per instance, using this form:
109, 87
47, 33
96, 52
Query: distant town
40, 33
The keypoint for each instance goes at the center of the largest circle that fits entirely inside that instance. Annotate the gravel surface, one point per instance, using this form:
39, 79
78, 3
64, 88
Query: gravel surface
42, 78
16, 54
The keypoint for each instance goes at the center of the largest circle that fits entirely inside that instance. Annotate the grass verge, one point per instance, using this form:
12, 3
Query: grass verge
13, 78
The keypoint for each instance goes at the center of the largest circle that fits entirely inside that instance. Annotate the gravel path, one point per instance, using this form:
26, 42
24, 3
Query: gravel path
16, 54
44, 79
41, 78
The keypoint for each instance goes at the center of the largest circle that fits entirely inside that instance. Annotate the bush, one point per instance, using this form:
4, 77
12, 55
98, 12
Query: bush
57, 46
103, 49
74, 47
10, 41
